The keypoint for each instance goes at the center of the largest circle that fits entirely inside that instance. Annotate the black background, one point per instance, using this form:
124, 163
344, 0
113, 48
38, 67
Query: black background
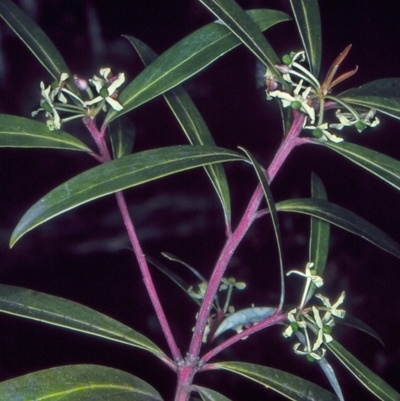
84, 255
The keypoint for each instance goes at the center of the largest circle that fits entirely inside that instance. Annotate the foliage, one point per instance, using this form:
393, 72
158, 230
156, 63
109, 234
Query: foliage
313, 114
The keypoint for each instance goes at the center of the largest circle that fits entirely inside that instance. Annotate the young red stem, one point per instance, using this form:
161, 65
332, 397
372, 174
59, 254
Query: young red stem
99, 138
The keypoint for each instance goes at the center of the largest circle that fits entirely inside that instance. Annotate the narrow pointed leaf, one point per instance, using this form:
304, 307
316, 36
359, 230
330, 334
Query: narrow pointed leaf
319, 235
186, 58
70, 315
274, 216
122, 136
291, 386
194, 127
20, 132
382, 95
342, 218
358, 324
234, 17
365, 376
207, 394
117, 175
34, 38
306, 15
331, 376
78, 383
243, 317
382, 166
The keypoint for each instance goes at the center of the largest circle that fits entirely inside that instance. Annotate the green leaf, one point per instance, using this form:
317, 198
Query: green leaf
243, 317
122, 136
34, 38
78, 383
70, 315
331, 376
358, 324
274, 216
319, 235
366, 377
384, 167
234, 17
342, 218
291, 386
117, 175
194, 127
207, 394
306, 14
382, 95
186, 58
20, 132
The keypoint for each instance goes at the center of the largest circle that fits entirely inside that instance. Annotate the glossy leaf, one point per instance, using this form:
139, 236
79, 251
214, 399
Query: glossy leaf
122, 136
274, 216
207, 394
70, 315
234, 17
365, 376
34, 38
20, 132
189, 56
78, 383
382, 166
331, 376
342, 218
117, 175
358, 324
308, 21
291, 386
382, 95
243, 317
194, 127
319, 235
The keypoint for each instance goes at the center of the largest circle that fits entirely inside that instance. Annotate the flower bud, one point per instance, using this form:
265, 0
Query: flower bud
287, 59
80, 83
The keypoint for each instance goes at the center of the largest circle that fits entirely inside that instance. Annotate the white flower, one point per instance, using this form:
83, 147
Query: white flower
107, 88
58, 88
47, 105
199, 294
310, 352
321, 132
298, 101
324, 326
317, 280
361, 121
294, 324
333, 309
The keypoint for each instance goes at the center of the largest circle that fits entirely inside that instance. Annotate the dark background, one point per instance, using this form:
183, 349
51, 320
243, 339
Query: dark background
84, 255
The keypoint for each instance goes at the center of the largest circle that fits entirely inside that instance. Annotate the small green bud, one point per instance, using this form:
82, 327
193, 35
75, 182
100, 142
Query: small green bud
313, 271
103, 92
327, 329
46, 107
296, 105
295, 326
318, 134
360, 126
310, 358
286, 59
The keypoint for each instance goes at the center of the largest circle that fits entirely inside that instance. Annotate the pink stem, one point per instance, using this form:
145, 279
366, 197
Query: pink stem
99, 138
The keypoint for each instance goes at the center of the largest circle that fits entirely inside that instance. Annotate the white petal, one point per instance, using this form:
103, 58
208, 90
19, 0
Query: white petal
114, 104
105, 72
117, 83
97, 99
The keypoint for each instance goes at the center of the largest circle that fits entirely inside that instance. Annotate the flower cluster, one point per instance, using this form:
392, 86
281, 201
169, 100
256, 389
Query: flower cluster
54, 97
309, 96
303, 322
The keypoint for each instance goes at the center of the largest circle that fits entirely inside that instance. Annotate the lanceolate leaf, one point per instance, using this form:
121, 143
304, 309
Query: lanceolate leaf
122, 136
343, 218
306, 14
384, 167
20, 132
291, 386
117, 175
319, 235
243, 317
274, 217
382, 95
233, 16
367, 378
34, 38
78, 383
352, 321
61, 312
186, 58
207, 394
194, 127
